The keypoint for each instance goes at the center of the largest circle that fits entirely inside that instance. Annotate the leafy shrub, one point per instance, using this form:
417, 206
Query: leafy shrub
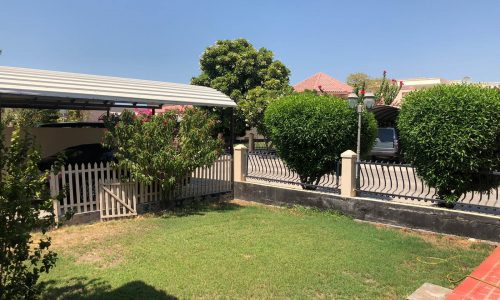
310, 132
23, 196
451, 134
162, 147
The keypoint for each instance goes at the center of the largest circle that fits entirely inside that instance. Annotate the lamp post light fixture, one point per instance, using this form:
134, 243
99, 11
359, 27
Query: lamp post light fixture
360, 103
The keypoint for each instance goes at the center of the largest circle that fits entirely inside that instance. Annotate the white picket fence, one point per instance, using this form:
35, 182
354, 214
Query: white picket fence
82, 184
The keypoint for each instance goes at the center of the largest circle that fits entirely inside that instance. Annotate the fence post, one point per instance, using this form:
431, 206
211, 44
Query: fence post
54, 195
240, 162
251, 142
348, 178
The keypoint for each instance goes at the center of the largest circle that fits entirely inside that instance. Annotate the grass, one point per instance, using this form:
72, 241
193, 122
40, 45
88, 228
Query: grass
236, 251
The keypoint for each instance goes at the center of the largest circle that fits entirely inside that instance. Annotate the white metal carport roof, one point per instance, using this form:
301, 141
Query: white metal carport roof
30, 88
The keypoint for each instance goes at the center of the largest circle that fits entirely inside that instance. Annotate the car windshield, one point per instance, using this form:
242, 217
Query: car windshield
386, 135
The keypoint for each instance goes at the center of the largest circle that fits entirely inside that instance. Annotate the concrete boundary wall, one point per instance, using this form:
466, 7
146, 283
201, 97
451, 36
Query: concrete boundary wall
440, 220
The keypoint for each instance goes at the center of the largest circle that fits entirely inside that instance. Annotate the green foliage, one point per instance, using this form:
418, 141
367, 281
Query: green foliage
30, 117
388, 90
361, 81
161, 147
24, 196
74, 116
451, 134
255, 103
235, 67
310, 132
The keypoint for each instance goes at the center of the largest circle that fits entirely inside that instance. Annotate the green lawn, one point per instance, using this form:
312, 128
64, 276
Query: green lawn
252, 252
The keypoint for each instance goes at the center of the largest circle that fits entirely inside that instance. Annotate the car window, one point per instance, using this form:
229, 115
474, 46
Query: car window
386, 134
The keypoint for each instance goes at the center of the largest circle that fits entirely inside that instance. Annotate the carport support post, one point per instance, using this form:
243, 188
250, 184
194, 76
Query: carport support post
54, 195
348, 178
240, 163
251, 142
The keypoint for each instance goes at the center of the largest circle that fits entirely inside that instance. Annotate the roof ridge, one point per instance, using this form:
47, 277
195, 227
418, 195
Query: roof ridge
318, 77
327, 83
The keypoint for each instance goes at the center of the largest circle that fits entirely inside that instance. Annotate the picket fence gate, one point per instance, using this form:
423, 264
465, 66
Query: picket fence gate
100, 187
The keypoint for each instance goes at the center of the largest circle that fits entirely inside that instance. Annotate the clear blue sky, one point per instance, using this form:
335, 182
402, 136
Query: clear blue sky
163, 40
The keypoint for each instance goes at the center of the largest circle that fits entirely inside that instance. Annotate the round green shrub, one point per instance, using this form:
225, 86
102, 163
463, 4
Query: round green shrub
451, 134
310, 132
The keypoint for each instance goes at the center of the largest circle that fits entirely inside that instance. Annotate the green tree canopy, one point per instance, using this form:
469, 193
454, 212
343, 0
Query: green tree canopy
235, 67
356, 80
310, 131
255, 103
451, 134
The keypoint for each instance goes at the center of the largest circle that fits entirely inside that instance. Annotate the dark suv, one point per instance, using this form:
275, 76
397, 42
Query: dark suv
386, 145
81, 154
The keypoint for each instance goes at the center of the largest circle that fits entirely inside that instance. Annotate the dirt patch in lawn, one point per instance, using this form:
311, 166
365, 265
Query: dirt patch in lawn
440, 240
81, 238
245, 203
437, 239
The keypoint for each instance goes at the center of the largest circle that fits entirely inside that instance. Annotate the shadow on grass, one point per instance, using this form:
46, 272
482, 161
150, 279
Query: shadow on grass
83, 288
199, 209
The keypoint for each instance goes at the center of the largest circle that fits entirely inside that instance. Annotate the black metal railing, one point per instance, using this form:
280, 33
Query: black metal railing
400, 181
267, 166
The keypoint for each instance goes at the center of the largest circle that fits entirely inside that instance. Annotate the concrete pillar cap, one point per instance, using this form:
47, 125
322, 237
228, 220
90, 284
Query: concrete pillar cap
348, 154
240, 147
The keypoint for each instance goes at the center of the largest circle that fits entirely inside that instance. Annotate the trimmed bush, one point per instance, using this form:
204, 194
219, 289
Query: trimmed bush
310, 132
451, 134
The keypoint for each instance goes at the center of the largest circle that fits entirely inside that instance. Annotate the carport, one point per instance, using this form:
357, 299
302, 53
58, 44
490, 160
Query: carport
41, 89
94, 191
386, 115
30, 88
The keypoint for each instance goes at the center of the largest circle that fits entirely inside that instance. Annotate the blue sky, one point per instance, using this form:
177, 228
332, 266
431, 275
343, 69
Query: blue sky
163, 40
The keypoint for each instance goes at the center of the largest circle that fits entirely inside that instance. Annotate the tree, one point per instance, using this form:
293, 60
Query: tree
451, 134
74, 116
255, 103
30, 117
23, 197
164, 147
388, 90
234, 67
310, 132
356, 80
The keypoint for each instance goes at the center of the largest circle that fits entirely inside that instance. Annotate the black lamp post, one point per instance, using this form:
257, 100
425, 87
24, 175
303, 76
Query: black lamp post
367, 103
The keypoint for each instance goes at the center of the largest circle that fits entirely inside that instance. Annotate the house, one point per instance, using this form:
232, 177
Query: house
412, 84
322, 82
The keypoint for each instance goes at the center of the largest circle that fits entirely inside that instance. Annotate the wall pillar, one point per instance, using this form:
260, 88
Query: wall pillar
240, 163
348, 178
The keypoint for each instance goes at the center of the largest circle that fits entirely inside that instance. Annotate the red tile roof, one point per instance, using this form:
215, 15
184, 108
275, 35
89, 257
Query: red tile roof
323, 82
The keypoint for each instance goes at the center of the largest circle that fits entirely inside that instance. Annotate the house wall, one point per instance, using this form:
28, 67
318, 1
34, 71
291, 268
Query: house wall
53, 140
